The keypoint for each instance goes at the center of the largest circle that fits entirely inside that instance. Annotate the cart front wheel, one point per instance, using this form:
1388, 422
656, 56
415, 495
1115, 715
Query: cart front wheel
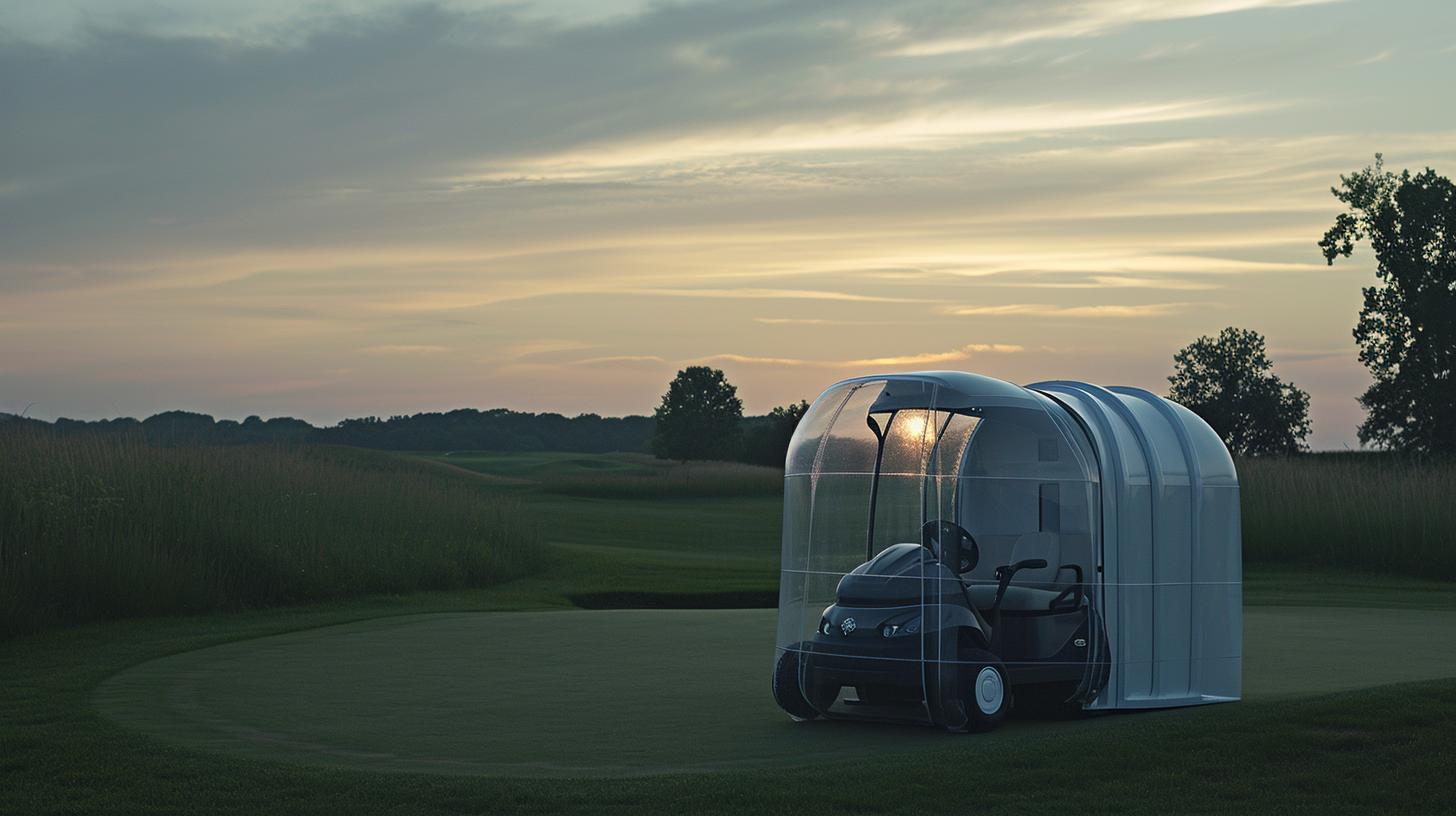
790, 685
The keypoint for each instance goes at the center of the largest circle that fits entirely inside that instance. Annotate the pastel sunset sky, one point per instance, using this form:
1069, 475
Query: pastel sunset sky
365, 207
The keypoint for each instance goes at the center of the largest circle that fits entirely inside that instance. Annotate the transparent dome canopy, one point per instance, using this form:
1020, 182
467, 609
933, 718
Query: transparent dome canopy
944, 550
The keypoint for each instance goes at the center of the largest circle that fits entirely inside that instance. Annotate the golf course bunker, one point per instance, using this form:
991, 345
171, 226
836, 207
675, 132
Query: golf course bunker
621, 692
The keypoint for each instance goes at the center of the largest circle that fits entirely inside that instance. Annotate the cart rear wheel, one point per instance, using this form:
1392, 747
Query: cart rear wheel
988, 699
989, 690
790, 685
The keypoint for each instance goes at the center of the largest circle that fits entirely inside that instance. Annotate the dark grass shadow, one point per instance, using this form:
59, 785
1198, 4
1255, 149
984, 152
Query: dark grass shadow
744, 599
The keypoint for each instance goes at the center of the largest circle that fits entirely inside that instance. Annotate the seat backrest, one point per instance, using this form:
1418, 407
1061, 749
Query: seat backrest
1044, 545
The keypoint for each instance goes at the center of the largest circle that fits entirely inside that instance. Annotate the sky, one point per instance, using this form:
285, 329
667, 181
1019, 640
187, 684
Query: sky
339, 209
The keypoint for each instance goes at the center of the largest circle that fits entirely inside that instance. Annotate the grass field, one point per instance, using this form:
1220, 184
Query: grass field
1378, 512
507, 693
1346, 752
623, 476
1375, 513
1353, 751
675, 480
110, 526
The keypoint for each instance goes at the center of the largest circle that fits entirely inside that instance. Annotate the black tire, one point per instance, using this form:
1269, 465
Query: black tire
788, 692
943, 696
972, 695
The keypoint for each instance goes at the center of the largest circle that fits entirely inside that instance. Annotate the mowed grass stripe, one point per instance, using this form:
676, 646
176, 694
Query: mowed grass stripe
623, 693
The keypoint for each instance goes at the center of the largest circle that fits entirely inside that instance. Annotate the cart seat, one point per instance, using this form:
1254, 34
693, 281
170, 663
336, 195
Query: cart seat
1017, 599
1032, 589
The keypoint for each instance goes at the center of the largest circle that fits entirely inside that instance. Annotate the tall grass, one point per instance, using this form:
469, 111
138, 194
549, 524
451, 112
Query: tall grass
662, 480
1373, 511
106, 526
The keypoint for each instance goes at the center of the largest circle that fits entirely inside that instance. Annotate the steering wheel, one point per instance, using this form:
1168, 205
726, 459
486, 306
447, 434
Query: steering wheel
940, 530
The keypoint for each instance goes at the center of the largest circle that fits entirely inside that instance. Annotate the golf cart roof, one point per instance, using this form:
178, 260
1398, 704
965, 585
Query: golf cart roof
949, 391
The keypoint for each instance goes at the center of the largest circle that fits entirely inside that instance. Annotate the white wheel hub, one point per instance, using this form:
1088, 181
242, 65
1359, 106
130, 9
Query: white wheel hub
990, 690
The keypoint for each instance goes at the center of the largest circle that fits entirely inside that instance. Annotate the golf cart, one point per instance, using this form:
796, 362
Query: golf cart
952, 544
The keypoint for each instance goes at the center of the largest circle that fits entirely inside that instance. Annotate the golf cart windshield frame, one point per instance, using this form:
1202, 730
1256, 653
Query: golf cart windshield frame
893, 430
891, 453
882, 434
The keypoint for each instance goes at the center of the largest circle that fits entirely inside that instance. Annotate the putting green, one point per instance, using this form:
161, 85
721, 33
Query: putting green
616, 693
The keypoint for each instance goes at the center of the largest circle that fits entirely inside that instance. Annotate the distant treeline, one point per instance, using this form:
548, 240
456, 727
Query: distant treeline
497, 429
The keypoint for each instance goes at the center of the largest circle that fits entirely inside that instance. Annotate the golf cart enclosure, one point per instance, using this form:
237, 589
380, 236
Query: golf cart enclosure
951, 540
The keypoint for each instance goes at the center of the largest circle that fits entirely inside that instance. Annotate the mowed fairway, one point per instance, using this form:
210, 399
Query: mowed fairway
629, 692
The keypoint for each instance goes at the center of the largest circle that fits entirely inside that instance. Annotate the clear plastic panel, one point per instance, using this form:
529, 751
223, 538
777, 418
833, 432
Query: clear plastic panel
947, 608
804, 446
830, 476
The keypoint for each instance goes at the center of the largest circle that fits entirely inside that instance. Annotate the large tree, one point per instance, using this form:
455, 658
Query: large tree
1407, 328
1228, 381
700, 417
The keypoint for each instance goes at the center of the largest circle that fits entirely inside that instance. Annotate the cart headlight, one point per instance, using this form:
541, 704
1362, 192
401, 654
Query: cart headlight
824, 627
900, 628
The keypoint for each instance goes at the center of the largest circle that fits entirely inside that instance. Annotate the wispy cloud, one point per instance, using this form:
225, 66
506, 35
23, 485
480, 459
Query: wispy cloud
928, 129
1159, 52
962, 353
1121, 264
618, 359
1049, 310
1114, 282
752, 360
542, 348
928, 358
404, 349
821, 321
1083, 20
776, 294
1383, 56
797, 321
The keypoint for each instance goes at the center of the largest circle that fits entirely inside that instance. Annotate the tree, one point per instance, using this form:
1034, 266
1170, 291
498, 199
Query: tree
1227, 381
178, 427
699, 417
1407, 327
766, 438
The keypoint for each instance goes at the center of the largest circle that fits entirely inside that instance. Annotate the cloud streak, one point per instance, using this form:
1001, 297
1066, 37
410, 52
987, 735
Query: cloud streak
619, 359
1117, 282
926, 130
404, 350
1085, 20
1049, 310
898, 361
776, 294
